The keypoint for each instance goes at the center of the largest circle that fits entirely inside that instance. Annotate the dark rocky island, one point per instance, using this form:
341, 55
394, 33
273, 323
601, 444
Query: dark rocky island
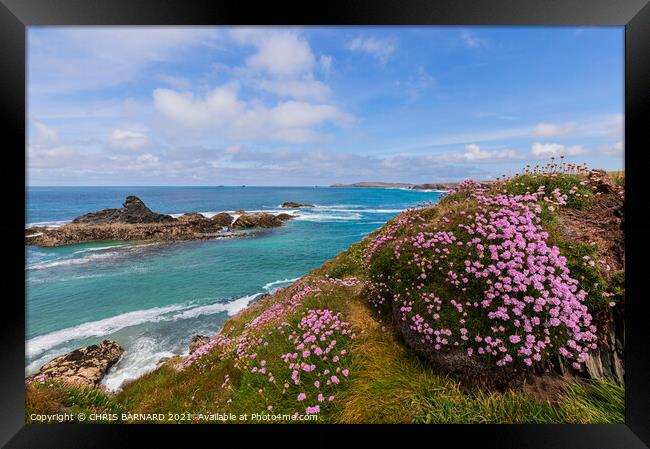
135, 221
294, 205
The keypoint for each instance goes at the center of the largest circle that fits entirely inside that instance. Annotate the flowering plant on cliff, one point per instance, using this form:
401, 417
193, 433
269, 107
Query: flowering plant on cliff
483, 280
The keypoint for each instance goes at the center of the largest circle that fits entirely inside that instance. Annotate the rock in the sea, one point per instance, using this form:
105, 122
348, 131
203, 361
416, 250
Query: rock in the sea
133, 211
197, 342
192, 216
257, 220
284, 217
222, 219
293, 204
84, 366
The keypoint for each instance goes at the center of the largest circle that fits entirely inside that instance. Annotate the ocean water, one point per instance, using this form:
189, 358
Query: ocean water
151, 298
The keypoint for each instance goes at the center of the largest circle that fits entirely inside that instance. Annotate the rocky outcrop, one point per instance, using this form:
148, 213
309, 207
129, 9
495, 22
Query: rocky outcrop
133, 211
293, 205
284, 217
197, 342
136, 222
256, 220
602, 225
222, 219
84, 366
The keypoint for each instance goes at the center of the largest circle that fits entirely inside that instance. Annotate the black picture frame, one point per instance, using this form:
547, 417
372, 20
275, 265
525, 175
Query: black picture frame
16, 15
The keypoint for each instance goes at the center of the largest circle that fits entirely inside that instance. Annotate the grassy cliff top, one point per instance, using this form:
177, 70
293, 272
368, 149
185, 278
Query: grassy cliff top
320, 347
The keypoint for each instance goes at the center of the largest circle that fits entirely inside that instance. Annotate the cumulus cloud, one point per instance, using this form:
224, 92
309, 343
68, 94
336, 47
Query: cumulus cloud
552, 130
219, 107
473, 153
382, 49
109, 55
471, 40
279, 53
616, 149
325, 62
45, 133
290, 121
128, 139
543, 150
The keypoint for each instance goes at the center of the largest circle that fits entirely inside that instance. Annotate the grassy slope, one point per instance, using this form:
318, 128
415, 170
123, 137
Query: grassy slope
387, 382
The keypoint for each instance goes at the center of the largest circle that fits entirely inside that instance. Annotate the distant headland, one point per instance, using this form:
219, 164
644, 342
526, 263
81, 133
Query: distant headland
443, 186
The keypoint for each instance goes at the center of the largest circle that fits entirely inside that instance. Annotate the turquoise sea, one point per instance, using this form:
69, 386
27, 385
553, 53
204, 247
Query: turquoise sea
151, 298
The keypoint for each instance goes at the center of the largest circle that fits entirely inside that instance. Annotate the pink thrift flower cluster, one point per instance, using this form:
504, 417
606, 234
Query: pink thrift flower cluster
490, 285
388, 234
216, 342
318, 361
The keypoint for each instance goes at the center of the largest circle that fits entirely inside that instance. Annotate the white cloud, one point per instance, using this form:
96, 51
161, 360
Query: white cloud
382, 49
543, 150
474, 153
221, 109
148, 159
325, 62
279, 53
46, 133
616, 149
108, 55
552, 130
128, 139
471, 40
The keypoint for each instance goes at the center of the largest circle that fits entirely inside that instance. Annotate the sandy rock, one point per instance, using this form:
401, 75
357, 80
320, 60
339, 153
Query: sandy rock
84, 366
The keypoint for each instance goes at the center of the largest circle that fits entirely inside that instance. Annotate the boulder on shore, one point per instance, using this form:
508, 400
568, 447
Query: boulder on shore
197, 342
84, 366
293, 205
133, 211
222, 219
256, 220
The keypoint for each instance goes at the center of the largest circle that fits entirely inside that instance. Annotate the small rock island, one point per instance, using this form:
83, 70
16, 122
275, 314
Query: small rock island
135, 221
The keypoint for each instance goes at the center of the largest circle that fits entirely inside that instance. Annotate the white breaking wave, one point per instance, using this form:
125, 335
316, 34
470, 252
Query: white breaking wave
99, 328
101, 248
141, 358
328, 217
72, 261
230, 307
113, 324
48, 224
269, 287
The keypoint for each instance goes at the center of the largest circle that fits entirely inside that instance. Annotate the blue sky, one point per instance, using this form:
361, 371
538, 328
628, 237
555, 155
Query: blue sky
318, 105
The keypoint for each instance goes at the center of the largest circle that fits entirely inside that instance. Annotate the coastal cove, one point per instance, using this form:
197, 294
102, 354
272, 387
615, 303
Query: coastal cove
153, 297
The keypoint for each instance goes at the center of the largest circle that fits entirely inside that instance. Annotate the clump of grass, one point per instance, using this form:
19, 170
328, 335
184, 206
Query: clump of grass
567, 178
56, 397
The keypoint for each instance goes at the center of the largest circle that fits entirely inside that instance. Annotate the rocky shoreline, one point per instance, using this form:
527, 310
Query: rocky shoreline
82, 367
136, 222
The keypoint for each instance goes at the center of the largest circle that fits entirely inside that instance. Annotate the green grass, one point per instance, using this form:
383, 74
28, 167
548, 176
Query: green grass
56, 397
388, 382
581, 199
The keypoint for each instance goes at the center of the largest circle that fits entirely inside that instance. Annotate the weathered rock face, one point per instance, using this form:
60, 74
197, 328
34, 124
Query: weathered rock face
84, 366
222, 219
133, 211
79, 233
257, 220
602, 225
292, 204
197, 342
135, 221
